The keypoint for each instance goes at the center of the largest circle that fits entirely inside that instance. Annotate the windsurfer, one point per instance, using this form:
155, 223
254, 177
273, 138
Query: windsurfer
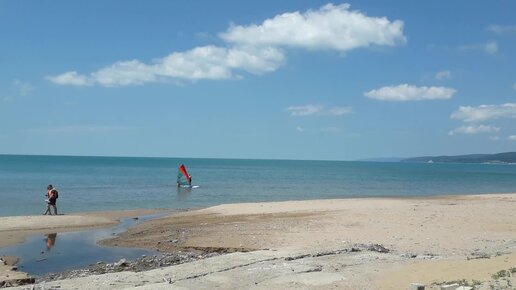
183, 177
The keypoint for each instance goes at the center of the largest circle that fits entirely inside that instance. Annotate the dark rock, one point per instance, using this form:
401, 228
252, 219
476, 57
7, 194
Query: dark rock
378, 248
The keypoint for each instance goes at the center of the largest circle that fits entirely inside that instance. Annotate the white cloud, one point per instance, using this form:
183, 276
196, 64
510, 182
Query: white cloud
512, 137
475, 129
494, 138
124, 73
443, 75
207, 62
503, 29
339, 111
254, 49
490, 47
405, 92
300, 130
306, 110
485, 112
332, 27
311, 110
69, 78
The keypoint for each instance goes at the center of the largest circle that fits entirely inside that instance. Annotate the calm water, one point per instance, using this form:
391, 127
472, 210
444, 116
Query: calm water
111, 183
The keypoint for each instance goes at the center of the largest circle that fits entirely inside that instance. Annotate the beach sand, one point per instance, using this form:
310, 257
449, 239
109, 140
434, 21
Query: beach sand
328, 244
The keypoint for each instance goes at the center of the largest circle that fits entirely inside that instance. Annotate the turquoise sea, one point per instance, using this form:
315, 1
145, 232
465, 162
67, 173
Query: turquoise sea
116, 183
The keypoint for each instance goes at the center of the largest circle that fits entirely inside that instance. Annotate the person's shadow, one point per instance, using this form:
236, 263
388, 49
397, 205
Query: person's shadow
50, 240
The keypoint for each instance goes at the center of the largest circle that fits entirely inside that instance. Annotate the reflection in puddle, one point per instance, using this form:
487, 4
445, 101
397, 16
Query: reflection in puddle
40, 255
50, 240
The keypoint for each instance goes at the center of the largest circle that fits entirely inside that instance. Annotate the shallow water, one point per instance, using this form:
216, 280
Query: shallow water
57, 252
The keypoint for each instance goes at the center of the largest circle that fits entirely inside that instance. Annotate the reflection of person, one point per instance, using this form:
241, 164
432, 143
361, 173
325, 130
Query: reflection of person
51, 201
50, 240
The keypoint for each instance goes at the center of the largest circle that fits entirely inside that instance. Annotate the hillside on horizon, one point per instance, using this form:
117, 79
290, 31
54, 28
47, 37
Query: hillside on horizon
506, 157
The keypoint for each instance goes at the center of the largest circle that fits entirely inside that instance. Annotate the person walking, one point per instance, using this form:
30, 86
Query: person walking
52, 196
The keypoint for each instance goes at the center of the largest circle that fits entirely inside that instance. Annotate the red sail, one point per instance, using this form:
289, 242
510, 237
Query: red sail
182, 168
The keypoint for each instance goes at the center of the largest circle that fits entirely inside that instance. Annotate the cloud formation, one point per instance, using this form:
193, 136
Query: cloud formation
490, 47
332, 27
485, 112
443, 75
406, 92
254, 49
472, 116
474, 129
207, 62
503, 29
317, 110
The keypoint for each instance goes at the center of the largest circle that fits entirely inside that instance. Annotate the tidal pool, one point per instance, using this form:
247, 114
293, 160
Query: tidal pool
57, 252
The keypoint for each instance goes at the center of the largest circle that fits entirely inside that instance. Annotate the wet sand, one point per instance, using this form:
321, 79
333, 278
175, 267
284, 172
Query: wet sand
14, 229
325, 244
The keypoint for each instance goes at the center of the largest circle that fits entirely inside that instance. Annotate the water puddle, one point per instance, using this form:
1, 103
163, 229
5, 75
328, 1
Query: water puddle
57, 252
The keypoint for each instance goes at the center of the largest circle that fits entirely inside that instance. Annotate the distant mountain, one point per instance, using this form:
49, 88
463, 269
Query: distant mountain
507, 157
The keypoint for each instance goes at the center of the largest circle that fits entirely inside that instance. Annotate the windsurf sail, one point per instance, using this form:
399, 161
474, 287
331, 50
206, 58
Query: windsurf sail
183, 178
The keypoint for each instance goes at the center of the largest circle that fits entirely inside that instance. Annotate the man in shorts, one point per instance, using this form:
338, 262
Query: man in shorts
51, 201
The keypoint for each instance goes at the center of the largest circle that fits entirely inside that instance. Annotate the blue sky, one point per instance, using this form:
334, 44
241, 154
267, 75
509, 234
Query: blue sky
257, 79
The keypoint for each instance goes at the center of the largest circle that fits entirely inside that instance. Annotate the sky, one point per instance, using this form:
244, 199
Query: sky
309, 80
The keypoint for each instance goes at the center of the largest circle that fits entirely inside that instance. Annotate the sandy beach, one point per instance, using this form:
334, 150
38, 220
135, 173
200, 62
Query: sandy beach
367, 243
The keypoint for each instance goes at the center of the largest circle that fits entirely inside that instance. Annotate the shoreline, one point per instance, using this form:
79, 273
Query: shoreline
14, 229
473, 236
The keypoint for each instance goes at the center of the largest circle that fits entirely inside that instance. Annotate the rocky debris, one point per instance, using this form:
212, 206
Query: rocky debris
9, 275
455, 287
377, 248
143, 263
416, 286
479, 255
121, 263
17, 282
369, 247
355, 248
501, 280
409, 255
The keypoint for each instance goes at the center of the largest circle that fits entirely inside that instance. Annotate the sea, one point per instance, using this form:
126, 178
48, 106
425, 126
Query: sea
121, 183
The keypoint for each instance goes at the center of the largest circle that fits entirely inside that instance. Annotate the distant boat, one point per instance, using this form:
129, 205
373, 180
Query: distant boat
430, 161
